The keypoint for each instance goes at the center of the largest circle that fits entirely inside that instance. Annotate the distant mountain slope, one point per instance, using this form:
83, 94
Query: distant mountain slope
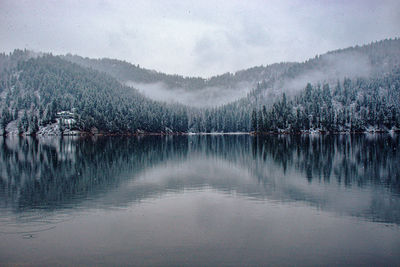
193, 91
127, 72
371, 60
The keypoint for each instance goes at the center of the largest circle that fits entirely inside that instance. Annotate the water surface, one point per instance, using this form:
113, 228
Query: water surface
200, 200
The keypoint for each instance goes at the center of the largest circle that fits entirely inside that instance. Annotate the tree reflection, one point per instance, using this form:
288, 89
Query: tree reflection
47, 172
350, 159
51, 173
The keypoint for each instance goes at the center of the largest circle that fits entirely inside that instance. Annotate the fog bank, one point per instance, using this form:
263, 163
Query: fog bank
205, 97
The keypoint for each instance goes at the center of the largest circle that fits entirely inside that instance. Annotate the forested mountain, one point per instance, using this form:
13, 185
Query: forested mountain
34, 90
353, 89
369, 72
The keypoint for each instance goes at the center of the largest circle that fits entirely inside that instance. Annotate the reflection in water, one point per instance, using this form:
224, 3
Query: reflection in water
200, 200
357, 175
47, 173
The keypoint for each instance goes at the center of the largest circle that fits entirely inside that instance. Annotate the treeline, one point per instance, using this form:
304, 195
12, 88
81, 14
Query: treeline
351, 106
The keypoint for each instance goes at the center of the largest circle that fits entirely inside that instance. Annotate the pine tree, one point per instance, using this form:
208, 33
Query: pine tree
254, 121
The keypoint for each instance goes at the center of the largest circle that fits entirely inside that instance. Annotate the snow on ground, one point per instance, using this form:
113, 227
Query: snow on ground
50, 129
12, 128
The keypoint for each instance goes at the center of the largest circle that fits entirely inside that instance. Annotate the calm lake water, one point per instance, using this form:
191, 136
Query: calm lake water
200, 200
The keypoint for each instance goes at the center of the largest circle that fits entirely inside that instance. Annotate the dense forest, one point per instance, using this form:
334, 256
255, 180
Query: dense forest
351, 106
36, 89
349, 90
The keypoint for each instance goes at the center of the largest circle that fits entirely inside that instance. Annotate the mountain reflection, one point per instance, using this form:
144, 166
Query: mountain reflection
353, 175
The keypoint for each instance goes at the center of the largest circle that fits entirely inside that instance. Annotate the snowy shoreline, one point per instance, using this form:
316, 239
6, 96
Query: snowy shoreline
81, 133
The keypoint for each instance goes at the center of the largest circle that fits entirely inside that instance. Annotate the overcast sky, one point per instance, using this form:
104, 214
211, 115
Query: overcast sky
196, 38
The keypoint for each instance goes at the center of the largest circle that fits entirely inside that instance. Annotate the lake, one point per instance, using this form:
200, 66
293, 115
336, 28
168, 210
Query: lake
200, 200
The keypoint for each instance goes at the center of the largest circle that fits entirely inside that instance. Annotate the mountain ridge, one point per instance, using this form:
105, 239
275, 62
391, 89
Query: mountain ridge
367, 60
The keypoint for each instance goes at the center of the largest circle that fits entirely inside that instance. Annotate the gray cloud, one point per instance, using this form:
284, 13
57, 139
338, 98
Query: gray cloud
195, 37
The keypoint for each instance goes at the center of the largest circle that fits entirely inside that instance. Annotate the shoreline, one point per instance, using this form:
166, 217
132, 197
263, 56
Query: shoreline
87, 134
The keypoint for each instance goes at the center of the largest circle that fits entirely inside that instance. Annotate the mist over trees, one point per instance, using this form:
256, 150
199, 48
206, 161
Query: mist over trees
126, 72
192, 91
348, 90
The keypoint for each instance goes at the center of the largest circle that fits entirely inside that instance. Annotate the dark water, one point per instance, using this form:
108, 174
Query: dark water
200, 200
